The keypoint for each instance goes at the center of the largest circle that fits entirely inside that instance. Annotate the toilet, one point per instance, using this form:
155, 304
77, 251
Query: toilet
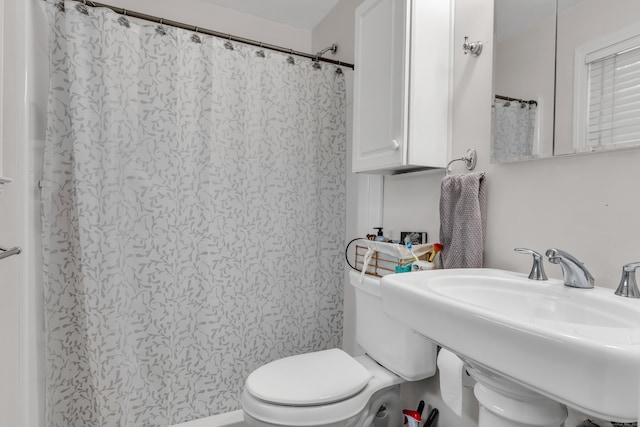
332, 389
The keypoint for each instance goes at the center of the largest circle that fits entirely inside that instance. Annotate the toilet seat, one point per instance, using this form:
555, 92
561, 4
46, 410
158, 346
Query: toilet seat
310, 379
335, 411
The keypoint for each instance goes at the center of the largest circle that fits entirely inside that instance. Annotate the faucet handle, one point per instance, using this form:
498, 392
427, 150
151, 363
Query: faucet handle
537, 269
628, 286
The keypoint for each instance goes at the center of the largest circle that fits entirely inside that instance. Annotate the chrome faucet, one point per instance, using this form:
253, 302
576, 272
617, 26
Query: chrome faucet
575, 273
628, 286
537, 269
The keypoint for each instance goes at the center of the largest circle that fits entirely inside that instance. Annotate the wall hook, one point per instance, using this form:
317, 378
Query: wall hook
474, 48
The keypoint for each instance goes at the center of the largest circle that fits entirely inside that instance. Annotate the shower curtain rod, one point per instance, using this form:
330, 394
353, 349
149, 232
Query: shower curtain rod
508, 98
126, 12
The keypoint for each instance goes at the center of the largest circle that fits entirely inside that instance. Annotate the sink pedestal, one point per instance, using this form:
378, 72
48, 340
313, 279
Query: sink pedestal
504, 403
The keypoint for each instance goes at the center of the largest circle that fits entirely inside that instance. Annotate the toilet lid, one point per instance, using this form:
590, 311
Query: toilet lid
309, 379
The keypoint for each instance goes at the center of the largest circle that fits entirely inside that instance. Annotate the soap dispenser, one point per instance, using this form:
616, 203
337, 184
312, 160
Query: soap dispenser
380, 237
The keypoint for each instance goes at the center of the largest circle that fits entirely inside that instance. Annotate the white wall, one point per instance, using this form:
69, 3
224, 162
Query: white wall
337, 27
207, 15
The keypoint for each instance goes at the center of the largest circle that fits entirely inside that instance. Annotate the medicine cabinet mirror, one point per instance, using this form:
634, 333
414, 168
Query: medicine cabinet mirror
523, 79
576, 90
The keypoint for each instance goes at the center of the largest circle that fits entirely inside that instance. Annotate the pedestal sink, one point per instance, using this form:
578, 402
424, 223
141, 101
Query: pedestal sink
578, 347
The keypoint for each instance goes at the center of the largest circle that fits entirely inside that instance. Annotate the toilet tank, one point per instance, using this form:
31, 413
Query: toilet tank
387, 341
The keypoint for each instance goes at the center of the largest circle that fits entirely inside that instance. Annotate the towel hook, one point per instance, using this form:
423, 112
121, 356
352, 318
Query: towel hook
474, 48
470, 160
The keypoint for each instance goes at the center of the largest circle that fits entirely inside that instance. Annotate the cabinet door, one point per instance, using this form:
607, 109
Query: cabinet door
380, 101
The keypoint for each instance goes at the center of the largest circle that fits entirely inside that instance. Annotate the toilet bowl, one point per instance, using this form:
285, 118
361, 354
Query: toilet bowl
332, 389
339, 391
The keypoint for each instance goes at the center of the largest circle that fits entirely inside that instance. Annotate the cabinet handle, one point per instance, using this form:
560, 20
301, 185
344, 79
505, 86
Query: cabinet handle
395, 144
4, 252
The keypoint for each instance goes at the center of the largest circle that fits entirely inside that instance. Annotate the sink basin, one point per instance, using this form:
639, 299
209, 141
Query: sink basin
580, 347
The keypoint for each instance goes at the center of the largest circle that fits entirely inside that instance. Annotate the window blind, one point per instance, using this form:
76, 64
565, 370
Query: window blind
613, 110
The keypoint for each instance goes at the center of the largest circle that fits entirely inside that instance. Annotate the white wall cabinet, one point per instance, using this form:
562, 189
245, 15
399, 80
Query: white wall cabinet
3, 180
402, 90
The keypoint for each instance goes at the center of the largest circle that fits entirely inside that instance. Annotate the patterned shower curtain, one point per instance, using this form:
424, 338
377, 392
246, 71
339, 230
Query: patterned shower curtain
513, 130
193, 218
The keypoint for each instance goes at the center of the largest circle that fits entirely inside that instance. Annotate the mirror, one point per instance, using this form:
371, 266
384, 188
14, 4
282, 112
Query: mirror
523, 80
585, 98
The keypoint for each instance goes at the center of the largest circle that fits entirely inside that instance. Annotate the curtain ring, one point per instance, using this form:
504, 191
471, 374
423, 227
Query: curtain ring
160, 28
82, 8
195, 38
123, 19
228, 44
260, 53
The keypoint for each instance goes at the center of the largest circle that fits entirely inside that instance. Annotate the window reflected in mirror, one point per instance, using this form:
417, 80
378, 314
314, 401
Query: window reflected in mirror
598, 76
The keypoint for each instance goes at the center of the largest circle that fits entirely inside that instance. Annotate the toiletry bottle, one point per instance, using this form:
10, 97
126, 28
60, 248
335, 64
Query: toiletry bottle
380, 237
411, 418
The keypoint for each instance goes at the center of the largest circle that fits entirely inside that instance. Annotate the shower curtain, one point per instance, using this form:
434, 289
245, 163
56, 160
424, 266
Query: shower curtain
513, 133
193, 218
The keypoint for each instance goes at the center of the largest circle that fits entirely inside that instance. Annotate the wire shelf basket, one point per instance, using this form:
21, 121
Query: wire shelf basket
382, 264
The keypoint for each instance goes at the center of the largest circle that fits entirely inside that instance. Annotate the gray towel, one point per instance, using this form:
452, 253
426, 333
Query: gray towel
463, 208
